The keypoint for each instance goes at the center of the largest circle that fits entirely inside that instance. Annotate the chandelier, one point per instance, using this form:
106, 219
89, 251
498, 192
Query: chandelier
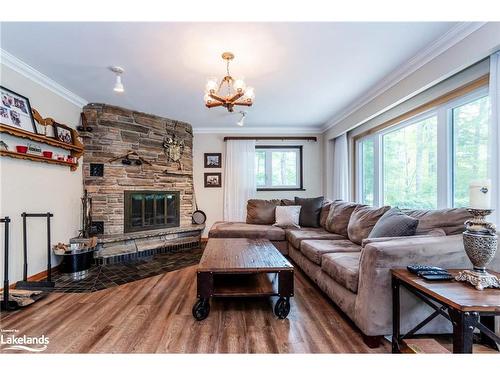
229, 92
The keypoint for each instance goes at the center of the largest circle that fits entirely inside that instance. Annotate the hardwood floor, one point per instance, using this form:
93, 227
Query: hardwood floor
154, 316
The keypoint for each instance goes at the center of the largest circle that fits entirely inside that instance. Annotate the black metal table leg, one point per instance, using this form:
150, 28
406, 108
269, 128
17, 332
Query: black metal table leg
205, 290
489, 322
285, 291
463, 328
396, 319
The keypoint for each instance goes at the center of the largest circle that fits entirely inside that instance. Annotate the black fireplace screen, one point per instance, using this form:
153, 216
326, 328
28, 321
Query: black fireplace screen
146, 210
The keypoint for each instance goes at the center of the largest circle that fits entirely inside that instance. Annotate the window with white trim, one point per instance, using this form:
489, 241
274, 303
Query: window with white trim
427, 161
278, 167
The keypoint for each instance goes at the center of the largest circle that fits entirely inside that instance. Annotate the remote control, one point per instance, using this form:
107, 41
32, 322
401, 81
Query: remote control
416, 268
427, 273
437, 277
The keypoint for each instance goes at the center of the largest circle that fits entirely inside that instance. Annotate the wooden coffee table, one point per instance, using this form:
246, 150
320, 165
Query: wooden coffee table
464, 306
240, 267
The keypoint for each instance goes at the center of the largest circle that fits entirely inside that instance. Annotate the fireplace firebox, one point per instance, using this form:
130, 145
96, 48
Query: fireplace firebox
146, 210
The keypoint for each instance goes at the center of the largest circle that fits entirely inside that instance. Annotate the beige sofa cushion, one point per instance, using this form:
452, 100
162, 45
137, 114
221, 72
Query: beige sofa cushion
222, 229
451, 220
315, 249
261, 211
327, 204
296, 236
338, 217
362, 221
343, 268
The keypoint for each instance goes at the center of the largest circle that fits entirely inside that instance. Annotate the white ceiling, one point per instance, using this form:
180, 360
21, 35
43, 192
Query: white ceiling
303, 73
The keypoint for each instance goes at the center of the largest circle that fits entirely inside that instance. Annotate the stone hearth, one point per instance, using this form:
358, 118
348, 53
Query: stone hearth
115, 132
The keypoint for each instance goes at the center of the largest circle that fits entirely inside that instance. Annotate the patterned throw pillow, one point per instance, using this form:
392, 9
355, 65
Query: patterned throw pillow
394, 223
287, 216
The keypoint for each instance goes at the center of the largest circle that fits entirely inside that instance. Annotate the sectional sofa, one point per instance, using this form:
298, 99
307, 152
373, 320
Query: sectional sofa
354, 270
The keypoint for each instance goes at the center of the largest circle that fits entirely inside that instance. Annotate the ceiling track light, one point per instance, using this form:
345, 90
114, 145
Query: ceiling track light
242, 120
118, 84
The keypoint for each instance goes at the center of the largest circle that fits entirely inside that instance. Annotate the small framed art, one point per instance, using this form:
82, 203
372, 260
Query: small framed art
213, 180
213, 160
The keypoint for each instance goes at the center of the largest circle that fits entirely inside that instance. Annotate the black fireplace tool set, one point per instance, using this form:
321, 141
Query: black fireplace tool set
26, 292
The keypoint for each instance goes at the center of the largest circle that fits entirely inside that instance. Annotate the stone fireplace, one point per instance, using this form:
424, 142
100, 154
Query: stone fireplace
141, 200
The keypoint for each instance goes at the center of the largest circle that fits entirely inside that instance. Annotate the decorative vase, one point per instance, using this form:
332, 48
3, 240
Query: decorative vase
480, 243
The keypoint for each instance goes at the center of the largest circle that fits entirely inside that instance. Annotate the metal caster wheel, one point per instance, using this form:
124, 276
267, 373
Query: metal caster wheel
201, 309
282, 308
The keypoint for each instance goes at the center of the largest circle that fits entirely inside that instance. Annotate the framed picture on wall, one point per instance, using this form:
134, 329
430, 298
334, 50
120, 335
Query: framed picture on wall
213, 180
15, 111
63, 133
213, 160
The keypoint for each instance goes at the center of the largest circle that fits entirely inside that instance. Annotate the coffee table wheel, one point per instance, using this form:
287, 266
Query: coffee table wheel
201, 309
282, 308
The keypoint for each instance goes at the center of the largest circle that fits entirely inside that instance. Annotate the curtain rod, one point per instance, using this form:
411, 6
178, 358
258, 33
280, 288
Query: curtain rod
314, 139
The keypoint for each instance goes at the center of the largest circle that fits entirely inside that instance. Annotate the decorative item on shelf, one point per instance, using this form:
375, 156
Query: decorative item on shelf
47, 154
174, 148
70, 159
213, 180
213, 160
63, 133
15, 111
34, 149
480, 238
22, 149
3, 146
129, 158
60, 157
230, 91
44, 126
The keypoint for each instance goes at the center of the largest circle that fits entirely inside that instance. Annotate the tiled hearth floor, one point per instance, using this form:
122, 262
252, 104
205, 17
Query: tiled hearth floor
110, 275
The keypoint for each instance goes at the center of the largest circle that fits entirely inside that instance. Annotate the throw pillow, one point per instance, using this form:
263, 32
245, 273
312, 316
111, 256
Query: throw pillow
310, 212
287, 216
362, 221
325, 210
394, 223
338, 217
261, 211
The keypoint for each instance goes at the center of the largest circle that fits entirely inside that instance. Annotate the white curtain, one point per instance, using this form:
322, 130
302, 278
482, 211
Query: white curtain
239, 176
340, 187
494, 167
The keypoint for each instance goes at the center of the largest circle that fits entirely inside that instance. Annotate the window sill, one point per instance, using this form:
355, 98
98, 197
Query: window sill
281, 189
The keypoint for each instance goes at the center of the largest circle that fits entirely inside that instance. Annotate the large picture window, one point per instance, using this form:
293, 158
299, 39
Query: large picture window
278, 167
427, 161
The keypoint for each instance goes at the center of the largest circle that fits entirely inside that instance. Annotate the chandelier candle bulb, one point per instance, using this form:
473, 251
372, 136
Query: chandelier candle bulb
480, 194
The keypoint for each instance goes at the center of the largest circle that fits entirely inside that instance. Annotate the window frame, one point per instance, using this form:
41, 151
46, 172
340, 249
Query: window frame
445, 149
300, 171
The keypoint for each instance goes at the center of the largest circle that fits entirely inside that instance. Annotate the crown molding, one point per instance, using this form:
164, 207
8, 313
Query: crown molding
258, 131
31, 73
424, 56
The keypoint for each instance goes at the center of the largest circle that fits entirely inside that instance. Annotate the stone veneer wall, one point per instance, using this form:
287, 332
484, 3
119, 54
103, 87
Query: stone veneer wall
118, 130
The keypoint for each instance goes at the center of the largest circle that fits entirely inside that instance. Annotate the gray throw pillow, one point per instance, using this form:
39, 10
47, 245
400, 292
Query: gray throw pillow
394, 223
310, 212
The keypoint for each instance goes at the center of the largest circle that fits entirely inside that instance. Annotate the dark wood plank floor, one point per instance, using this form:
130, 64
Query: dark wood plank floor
154, 316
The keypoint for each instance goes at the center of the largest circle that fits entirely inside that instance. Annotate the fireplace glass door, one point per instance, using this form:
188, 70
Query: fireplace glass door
146, 210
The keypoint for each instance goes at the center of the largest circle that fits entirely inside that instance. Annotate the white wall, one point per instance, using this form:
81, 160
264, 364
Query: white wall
475, 47
36, 187
210, 200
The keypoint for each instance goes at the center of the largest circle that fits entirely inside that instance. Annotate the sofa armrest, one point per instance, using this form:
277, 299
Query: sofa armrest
432, 233
373, 311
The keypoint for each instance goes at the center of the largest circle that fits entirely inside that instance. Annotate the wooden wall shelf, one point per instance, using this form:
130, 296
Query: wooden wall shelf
76, 150
33, 157
40, 138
